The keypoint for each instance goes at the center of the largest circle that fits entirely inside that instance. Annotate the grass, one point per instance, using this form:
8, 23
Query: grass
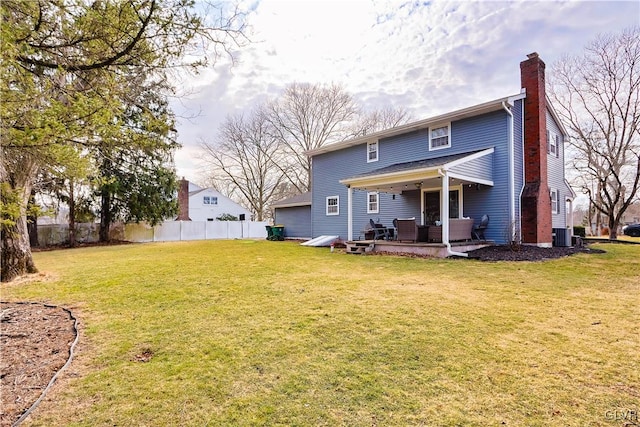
245, 333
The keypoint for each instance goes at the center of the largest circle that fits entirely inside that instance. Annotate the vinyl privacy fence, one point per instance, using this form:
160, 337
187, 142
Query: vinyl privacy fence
56, 234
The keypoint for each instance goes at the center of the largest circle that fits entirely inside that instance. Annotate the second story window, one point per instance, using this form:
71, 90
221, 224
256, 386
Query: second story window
372, 152
210, 200
439, 137
553, 143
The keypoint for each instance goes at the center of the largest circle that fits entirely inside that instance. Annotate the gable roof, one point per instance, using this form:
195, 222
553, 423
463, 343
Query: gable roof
419, 172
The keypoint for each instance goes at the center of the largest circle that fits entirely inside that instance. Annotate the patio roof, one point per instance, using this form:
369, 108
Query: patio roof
423, 173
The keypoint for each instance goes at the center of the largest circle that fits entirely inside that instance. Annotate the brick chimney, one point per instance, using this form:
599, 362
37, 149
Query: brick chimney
183, 201
536, 201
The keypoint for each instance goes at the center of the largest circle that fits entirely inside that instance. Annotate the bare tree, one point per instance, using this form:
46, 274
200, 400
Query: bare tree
598, 95
243, 159
306, 117
381, 119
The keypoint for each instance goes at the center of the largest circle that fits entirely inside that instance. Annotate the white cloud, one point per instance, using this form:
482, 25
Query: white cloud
429, 57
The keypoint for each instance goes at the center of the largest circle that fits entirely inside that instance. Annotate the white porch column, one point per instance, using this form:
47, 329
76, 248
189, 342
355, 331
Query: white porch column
444, 207
349, 213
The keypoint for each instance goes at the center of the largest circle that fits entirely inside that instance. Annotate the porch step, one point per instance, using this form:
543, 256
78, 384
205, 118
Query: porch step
359, 247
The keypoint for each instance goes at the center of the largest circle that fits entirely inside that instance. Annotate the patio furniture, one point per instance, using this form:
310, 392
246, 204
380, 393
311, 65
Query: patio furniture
459, 229
478, 230
407, 229
379, 230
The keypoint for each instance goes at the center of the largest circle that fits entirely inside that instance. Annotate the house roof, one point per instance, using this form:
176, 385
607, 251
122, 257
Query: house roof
420, 173
303, 199
472, 111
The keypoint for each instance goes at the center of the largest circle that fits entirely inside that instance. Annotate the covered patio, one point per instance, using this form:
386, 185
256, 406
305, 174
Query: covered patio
433, 178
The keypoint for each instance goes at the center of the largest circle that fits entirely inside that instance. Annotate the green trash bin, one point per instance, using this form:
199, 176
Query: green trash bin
269, 232
278, 232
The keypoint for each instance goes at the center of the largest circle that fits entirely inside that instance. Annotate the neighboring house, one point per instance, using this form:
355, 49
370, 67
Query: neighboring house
295, 214
205, 204
503, 158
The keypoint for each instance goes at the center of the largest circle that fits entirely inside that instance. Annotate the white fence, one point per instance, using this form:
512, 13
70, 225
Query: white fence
55, 234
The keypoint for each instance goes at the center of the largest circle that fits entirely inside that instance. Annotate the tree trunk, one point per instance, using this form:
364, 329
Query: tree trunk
16, 251
14, 243
32, 223
72, 215
613, 228
105, 215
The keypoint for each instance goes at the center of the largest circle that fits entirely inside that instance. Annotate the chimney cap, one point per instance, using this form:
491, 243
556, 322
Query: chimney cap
533, 55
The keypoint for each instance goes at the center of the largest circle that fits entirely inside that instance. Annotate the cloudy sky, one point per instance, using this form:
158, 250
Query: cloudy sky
430, 57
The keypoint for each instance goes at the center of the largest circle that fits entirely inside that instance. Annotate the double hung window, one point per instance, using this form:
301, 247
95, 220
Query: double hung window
372, 202
372, 152
333, 205
440, 137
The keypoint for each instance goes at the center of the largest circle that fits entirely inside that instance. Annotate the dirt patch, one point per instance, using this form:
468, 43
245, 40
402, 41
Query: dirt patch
35, 342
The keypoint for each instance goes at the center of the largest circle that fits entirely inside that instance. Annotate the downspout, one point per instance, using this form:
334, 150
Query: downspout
444, 209
349, 213
512, 183
521, 188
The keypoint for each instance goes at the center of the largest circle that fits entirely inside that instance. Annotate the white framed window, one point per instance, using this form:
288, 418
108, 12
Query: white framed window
553, 143
210, 200
333, 205
372, 152
372, 202
555, 201
440, 137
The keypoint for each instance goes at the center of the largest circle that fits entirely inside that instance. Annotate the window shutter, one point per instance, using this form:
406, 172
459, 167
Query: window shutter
558, 141
548, 137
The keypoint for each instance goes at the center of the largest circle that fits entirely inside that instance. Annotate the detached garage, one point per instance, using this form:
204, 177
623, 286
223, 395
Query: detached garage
295, 214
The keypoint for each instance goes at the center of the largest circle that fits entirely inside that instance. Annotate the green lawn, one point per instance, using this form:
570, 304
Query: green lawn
247, 333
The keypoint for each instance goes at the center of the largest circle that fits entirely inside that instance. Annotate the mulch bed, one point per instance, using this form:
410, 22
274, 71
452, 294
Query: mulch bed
35, 342
527, 252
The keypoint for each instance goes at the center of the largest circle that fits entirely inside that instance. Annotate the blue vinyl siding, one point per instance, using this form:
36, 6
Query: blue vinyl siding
556, 178
296, 221
480, 132
479, 168
476, 133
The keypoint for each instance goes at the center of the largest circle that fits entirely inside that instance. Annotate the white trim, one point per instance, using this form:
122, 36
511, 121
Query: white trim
448, 136
511, 171
377, 151
337, 205
377, 202
349, 213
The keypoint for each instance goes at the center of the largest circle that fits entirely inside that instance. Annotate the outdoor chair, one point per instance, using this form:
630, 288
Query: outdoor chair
478, 230
407, 230
379, 231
